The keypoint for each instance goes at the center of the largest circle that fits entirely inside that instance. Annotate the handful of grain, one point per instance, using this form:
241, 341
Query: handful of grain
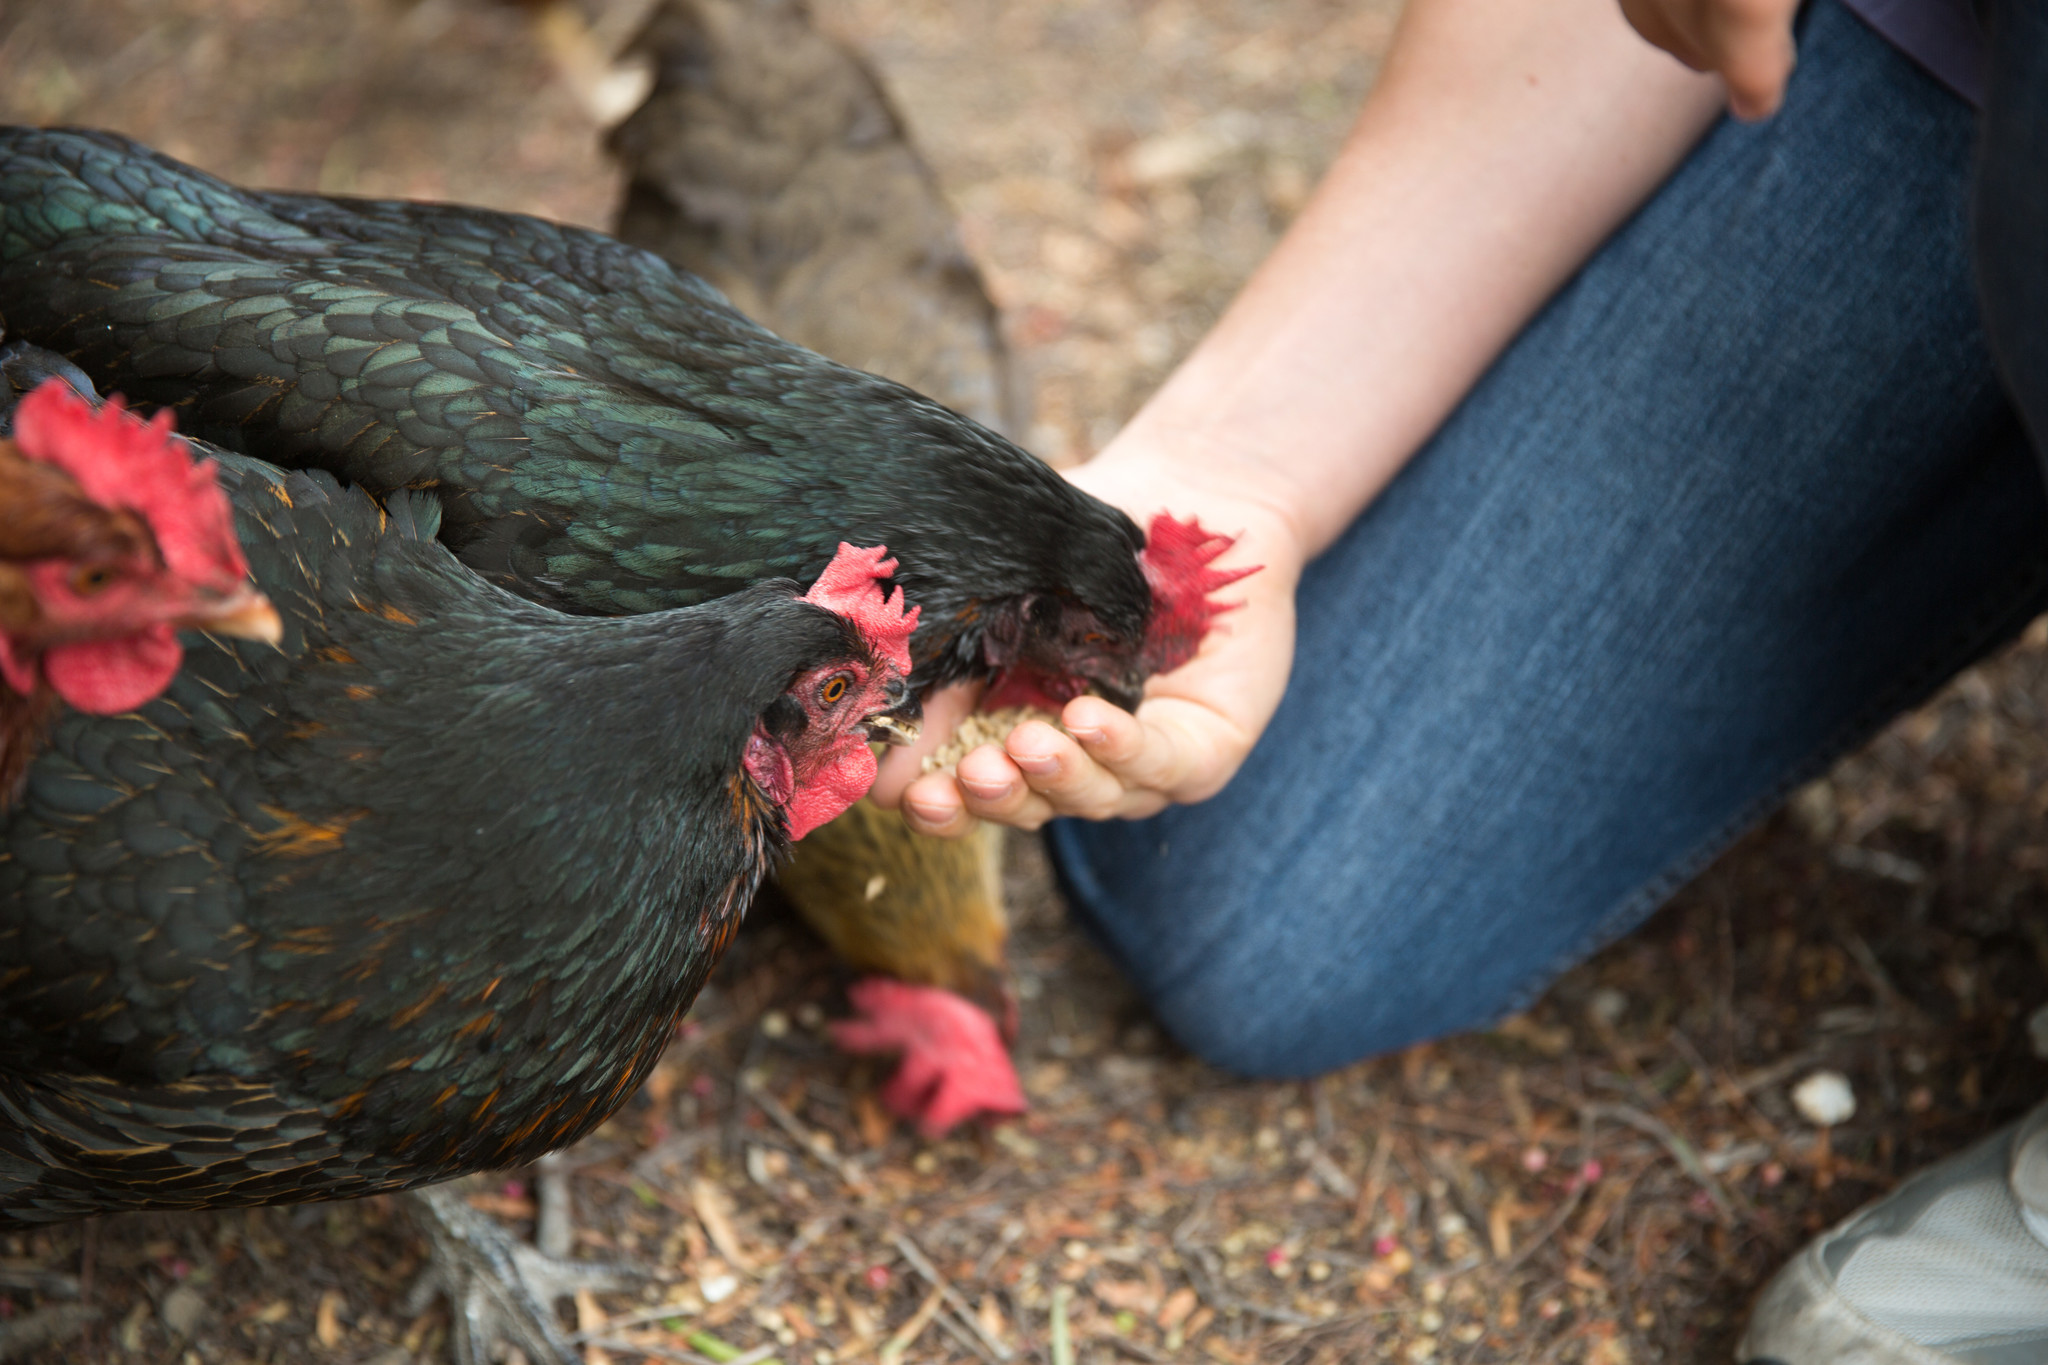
983, 727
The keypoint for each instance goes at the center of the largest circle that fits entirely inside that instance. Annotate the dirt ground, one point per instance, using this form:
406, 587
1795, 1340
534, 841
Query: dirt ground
1606, 1179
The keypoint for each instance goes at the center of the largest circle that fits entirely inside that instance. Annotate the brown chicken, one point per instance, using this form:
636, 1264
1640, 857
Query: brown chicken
768, 160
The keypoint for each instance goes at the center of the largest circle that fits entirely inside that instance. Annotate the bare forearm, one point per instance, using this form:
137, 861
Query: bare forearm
1505, 140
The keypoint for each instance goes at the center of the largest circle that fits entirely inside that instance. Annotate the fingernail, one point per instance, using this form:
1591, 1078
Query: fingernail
1086, 735
930, 814
987, 791
1041, 764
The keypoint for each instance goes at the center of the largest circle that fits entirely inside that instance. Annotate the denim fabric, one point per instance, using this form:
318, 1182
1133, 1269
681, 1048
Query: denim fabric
1745, 488
2011, 237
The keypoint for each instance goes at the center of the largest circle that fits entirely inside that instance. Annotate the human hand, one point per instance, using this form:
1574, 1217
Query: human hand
1748, 43
1195, 725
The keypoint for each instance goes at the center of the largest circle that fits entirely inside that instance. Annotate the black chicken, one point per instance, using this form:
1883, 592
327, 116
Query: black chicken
605, 432
422, 890
768, 159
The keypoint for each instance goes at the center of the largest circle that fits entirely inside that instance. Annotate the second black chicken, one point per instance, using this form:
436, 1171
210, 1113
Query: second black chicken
423, 890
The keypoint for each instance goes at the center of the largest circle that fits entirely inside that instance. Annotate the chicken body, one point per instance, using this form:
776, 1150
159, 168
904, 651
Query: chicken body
605, 432
423, 890
768, 160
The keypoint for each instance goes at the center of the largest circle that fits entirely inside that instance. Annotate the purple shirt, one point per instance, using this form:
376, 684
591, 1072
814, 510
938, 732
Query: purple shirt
1943, 36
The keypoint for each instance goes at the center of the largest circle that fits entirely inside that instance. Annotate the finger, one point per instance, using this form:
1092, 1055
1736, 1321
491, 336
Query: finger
1107, 733
1756, 72
1654, 24
944, 709
1059, 770
992, 788
933, 805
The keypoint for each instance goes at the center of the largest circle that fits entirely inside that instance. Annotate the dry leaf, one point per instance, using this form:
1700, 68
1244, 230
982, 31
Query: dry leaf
591, 1318
714, 1211
1134, 1295
1175, 1310
327, 1319
503, 1205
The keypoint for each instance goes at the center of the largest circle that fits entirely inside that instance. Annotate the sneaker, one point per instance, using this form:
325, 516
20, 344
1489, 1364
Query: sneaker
1951, 1268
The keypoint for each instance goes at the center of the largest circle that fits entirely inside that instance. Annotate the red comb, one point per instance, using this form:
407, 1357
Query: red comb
848, 587
1176, 562
954, 1065
119, 460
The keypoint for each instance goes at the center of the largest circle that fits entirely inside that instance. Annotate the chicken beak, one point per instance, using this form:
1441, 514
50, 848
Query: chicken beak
1123, 693
892, 731
244, 614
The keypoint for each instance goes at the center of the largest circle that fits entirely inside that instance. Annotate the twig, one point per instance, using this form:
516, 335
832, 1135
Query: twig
1681, 1152
56, 1284
1012, 1230
919, 1262
1196, 1261
44, 1327
1731, 1094
632, 1319
88, 1255
813, 1146
651, 1349
950, 1324
907, 1335
1062, 1338
1134, 1348
554, 1218
1332, 1176
1375, 1180
1543, 1234
647, 1166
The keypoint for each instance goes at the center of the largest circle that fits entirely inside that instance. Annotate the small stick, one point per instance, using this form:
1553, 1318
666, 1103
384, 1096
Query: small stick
812, 1147
907, 1335
919, 1262
1062, 1340
1375, 1181
1681, 1152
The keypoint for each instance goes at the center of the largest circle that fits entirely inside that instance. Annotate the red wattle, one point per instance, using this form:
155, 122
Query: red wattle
821, 796
17, 671
107, 677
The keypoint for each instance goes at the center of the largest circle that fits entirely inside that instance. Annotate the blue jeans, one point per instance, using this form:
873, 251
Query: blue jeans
1746, 488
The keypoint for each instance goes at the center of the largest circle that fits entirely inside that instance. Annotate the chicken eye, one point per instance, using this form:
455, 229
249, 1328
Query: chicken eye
1094, 637
93, 578
833, 690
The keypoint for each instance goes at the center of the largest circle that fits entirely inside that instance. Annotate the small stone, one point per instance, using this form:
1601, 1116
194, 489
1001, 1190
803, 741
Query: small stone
1824, 1099
774, 1024
718, 1288
184, 1311
1606, 1006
